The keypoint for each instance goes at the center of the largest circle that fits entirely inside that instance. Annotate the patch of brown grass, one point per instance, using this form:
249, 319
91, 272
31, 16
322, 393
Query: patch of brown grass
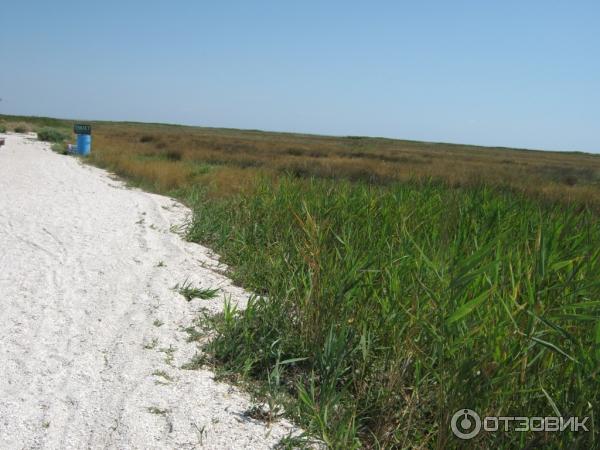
163, 175
171, 157
226, 181
18, 127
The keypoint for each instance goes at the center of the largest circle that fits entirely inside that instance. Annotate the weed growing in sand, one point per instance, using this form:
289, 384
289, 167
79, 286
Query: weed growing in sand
291, 442
158, 411
162, 374
197, 362
194, 335
260, 413
151, 344
190, 292
158, 323
169, 354
201, 431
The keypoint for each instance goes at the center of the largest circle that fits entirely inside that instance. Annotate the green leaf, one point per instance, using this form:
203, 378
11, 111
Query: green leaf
552, 403
559, 265
551, 346
468, 307
597, 340
292, 360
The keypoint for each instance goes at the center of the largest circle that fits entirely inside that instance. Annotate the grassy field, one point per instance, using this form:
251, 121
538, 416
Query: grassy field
170, 156
397, 281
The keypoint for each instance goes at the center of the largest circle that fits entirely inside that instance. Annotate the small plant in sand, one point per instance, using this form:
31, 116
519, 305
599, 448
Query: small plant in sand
157, 411
190, 292
162, 374
152, 344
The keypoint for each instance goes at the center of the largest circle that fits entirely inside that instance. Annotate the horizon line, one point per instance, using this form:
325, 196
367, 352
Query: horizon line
304, 133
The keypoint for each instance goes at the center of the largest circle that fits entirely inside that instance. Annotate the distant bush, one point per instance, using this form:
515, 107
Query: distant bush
51, 135
173, 155
147, 138
2, 129
21, 129
60, 147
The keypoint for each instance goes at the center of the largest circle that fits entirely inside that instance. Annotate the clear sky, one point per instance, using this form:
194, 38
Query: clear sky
513, 73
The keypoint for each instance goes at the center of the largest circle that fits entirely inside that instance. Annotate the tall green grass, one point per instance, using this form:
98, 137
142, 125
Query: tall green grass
383, 310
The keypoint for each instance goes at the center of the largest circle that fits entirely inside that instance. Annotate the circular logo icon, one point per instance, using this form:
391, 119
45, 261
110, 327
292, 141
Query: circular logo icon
465, 424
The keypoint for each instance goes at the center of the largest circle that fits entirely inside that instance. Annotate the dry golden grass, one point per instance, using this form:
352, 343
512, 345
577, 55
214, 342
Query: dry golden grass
240, 154
17, 126
170, 157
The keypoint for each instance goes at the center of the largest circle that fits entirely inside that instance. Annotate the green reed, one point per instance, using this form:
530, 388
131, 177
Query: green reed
383, 310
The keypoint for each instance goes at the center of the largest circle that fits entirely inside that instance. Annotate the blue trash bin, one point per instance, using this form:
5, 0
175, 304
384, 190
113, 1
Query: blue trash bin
84, 144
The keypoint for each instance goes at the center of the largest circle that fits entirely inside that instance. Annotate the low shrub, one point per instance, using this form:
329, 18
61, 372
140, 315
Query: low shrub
174, 155
60, 147
52, 135
147, 138
21, 129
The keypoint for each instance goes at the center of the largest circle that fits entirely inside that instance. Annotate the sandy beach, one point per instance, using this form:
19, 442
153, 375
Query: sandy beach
92, 333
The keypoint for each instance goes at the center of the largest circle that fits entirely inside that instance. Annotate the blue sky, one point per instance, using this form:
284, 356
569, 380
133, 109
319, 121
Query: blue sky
513, 73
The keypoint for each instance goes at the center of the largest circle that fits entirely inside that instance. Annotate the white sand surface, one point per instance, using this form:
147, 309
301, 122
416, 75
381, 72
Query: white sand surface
88, 315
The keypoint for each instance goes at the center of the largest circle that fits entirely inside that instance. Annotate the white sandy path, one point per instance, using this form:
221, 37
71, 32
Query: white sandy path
80, 291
